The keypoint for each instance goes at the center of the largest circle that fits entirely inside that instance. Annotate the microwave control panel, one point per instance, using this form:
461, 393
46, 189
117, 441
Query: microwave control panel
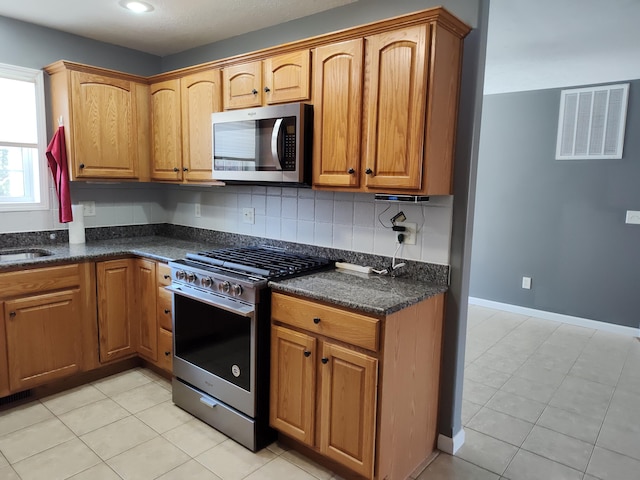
288, 162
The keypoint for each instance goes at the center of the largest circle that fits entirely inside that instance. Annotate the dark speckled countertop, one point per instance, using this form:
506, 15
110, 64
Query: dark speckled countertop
375, 294
154, 247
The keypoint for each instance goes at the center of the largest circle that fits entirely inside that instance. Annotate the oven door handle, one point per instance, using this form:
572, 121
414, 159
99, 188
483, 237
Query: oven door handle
223, 303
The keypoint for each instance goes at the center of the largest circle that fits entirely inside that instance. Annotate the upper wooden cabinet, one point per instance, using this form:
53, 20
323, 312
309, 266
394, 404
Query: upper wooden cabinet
105, 119
337, 94
181, 126
278, 79
410, 99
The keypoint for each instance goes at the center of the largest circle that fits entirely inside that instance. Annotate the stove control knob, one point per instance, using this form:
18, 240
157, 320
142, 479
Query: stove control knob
206, 282
191, 277
224, 287
236, 289
181, 274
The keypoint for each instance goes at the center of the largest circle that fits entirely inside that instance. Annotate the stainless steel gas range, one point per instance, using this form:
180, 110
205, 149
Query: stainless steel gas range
221, 336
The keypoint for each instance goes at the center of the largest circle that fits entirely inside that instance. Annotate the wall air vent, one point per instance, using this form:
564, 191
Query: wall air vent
591, 122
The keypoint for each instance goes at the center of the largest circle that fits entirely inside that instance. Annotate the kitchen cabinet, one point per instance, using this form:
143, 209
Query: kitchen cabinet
115, 286
337, 93
409, 108
46, 325
146, 316
335, 378
105, 118
181, 111
277, 79
164, 314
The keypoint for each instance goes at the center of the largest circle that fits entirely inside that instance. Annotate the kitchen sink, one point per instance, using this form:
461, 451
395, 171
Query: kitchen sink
22, 254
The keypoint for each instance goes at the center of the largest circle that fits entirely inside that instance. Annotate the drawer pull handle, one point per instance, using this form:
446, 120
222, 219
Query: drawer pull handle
167, 277
325, 360
167, 311
209, 402
167, 353
307, 353
316, 320
12, 314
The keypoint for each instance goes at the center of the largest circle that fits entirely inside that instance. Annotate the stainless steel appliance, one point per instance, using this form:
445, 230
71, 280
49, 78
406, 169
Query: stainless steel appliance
263, 145
221, 336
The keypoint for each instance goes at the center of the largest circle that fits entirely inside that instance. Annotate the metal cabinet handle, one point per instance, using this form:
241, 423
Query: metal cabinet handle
185, 169
325, 360
368, 171
176, 169
351, 171
12, 314
267, 89
307, 353
167, 353
254, 91
81, 165
167, 277
167, 311
316, 320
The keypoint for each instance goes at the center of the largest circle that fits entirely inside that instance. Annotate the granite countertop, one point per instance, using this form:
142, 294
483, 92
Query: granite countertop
157, 248
374, 294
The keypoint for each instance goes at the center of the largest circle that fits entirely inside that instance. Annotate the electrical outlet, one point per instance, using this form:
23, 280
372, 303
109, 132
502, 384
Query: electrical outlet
249, 215
526, 283
89, 209
198, 212
410, 232
633, 216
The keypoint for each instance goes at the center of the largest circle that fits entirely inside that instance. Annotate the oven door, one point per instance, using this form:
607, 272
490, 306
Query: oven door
214, 346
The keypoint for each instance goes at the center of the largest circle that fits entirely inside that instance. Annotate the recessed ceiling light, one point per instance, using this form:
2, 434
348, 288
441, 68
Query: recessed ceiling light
136, 6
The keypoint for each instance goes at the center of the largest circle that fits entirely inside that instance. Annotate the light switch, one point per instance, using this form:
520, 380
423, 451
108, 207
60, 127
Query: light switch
633, 216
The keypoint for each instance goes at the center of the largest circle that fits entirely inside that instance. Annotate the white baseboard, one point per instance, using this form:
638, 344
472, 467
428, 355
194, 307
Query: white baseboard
557, 317
451, 445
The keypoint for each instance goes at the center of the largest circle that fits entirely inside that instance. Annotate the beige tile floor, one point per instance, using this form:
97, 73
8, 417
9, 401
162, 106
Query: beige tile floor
542, 400
546, 400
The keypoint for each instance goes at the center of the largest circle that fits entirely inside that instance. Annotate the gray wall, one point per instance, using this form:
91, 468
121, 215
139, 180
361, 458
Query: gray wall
560, 222
358, 13
27, 45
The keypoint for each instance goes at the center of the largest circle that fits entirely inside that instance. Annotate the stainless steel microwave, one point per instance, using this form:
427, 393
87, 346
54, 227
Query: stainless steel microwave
264, 144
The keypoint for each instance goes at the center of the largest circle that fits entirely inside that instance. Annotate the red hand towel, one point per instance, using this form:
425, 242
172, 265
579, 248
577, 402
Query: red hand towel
57, 157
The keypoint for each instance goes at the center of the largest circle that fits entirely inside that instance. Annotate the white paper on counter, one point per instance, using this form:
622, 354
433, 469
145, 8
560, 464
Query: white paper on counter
76, 228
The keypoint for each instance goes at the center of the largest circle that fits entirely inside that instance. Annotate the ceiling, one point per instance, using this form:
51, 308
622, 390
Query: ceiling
173, 26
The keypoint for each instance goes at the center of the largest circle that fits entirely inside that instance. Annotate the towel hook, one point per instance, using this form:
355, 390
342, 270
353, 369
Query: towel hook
60, 122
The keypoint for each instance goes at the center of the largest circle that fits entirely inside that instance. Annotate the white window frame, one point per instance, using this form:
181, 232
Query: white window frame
37, 77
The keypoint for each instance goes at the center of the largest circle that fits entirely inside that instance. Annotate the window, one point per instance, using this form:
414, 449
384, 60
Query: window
23, 170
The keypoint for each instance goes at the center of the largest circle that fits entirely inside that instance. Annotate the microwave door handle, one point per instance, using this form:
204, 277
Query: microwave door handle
275, 136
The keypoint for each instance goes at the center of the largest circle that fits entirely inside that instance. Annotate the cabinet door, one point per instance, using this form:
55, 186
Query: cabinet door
166, 138
104, 127
395, 106
337, 94
287, 77
145, 318
293, 384
165, 347
43, 338
348, 383
242, 85
115, 288
4, 368
200, 98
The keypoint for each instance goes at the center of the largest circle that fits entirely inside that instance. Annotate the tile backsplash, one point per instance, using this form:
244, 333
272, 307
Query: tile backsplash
346, 221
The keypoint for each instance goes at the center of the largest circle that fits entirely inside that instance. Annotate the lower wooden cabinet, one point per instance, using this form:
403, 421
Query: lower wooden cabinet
372, 410
146, 316
115, 279
47, 325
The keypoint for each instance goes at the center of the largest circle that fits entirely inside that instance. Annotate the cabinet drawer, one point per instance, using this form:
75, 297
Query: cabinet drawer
165, 350
26, 282
349, 327
164, 274
164, 309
